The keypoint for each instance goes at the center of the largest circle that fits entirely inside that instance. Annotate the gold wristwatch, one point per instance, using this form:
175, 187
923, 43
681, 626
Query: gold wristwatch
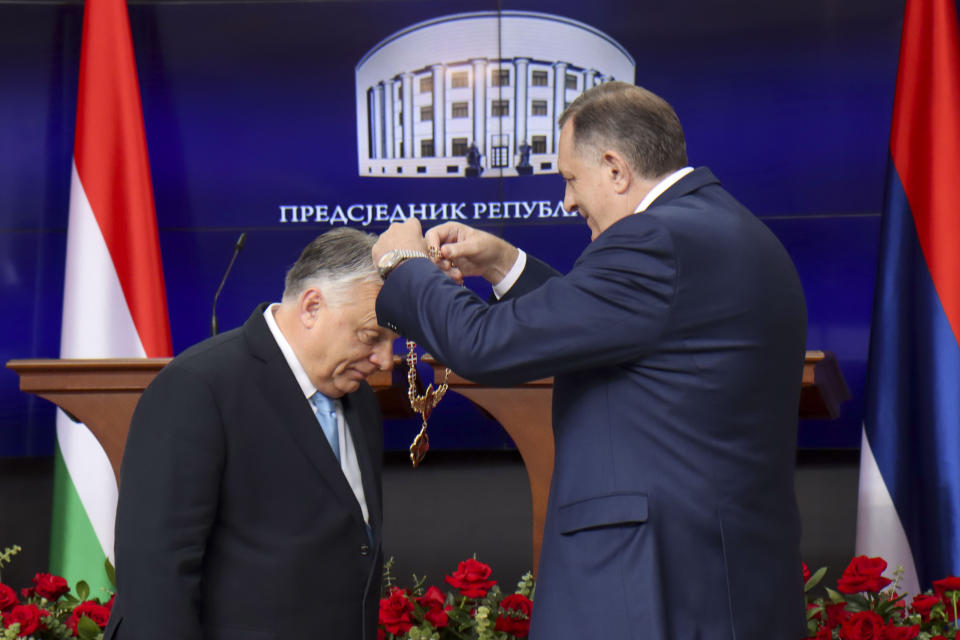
392, 259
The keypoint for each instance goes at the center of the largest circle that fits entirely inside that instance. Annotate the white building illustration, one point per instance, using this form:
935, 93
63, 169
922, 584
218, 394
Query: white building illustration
477, 93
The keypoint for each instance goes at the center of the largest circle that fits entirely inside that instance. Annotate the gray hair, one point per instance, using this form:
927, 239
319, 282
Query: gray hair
632, 120
333, 262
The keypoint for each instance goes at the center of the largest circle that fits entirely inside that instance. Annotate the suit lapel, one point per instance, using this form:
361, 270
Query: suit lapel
298, 418
358, 427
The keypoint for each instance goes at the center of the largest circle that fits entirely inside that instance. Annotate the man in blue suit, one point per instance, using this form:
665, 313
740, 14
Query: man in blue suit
676, 343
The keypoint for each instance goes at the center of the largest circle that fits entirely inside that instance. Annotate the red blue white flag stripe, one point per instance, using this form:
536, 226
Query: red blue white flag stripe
909, 507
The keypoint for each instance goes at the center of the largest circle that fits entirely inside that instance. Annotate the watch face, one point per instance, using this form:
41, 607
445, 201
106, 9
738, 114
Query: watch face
387, 260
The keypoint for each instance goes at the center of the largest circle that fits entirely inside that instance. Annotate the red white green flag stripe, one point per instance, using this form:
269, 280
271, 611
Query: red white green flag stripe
114, 303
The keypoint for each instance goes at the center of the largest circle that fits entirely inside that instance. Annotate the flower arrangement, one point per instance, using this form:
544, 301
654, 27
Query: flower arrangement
477, 610
48, 611
866, 605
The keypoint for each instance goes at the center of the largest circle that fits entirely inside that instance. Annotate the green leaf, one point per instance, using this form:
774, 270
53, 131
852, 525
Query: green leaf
815, 579
812, 612
460, 616
858, 602
87, 629
111, 572
83, 590
835, 596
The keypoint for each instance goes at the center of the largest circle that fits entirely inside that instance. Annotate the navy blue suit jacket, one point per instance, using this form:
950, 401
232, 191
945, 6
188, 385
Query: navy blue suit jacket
677, 345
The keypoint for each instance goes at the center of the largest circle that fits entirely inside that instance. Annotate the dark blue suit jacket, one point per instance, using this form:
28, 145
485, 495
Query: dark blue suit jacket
235, 521
677, 345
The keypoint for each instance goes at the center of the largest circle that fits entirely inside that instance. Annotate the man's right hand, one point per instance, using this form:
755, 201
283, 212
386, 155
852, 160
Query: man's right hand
466, 251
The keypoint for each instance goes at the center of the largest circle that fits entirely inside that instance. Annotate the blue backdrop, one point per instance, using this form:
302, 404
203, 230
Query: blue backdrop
250, 107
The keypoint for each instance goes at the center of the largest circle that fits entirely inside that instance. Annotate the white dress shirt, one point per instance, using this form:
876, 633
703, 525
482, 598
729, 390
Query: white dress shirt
348, 453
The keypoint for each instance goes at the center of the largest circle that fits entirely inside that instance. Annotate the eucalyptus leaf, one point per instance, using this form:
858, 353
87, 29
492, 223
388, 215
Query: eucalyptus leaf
83, 590
111, 573
815, 579
835, 596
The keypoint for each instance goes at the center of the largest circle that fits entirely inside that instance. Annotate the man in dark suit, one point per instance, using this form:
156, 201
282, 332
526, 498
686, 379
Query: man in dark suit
676, 343
244, 511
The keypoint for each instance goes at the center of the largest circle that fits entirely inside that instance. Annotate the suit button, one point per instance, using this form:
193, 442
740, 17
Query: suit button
364, 550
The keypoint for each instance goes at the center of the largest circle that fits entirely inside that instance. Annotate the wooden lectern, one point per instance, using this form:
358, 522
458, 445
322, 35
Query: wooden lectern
102, 394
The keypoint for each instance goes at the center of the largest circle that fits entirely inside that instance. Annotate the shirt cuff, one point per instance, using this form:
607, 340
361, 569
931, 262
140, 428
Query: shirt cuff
500, 289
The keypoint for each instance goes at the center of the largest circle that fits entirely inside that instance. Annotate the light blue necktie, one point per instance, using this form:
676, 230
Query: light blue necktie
327, 417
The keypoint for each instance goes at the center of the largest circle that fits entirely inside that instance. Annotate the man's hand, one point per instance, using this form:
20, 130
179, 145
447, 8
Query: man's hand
400, 235
470, 252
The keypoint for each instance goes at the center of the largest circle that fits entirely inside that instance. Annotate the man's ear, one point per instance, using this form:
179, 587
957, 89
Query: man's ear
309, 305
617, 171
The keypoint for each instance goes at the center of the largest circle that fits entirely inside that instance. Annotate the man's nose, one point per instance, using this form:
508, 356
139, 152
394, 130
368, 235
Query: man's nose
382, 356
569, 204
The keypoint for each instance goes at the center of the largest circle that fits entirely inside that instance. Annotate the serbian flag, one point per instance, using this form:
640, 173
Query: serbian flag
909, 503
114, 303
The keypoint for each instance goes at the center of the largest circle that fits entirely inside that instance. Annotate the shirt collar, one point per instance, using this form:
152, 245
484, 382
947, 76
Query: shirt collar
660, 187
298, 371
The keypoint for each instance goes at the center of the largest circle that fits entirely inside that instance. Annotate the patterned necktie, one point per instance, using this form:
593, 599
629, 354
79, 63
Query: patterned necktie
327, 417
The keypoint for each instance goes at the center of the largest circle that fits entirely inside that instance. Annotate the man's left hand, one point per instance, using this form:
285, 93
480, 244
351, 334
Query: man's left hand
400, 235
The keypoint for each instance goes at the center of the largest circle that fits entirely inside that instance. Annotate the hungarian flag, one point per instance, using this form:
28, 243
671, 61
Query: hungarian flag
909, 506
114, 303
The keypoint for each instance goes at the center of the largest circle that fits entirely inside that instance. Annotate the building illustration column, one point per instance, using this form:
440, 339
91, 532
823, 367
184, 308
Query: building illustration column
439, 112
408, 116
389, 117
520, 103
480, 104
376, 122
559, 99
589, 78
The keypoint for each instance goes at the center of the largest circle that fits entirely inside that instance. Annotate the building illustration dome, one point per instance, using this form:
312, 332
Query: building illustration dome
477, 94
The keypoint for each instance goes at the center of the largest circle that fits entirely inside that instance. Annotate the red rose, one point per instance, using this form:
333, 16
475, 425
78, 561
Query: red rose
109, 604
894, 632
863, 574
96, 612
27, 593
806, 572
865, 625
818, 615
28, 615
395, 612
824, 634
8, 597
945, 586
514, 616
922, 605
434, 611
837, 614
471, 578
50, 587
381, 634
